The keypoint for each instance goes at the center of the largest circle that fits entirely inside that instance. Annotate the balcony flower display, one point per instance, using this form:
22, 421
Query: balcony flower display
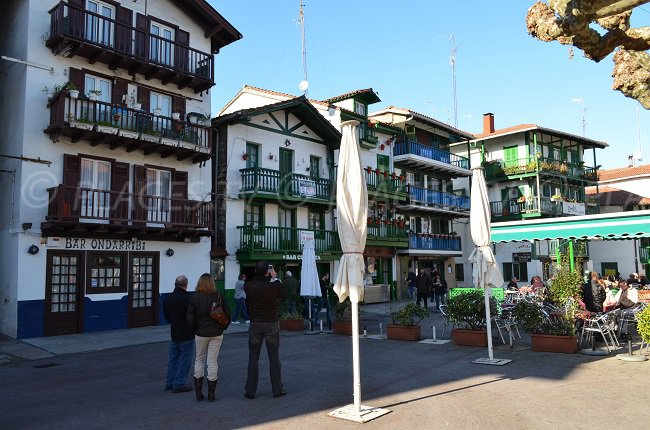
556, 197
368, 169
521, 199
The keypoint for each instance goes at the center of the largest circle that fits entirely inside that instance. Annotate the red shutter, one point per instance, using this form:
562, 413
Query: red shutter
71, 170
142, 36
124, 30
139, 189
77, 77
120, 188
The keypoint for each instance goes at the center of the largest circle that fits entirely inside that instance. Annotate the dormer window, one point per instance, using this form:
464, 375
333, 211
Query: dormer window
359, 108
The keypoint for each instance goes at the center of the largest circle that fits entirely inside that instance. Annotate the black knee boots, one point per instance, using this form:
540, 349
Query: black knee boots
211, 386
198, 388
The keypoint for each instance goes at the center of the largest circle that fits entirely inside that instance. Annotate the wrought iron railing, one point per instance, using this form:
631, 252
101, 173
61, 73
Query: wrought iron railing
531, 205
533, 164
255, 239
258, 179
410, 147
67, 203
425, 196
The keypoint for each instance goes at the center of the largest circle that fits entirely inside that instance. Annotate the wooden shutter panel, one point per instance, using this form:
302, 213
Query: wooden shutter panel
144, 98
120, 90
77, 77
179, 185
80, 3
178, 104
139, 189
142, 36
71, 170
76, 18
182, 53
120, 184
123, 31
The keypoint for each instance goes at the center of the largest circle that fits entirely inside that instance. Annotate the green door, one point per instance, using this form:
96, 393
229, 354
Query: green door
607, 269
314, 167
286, 169
288, 237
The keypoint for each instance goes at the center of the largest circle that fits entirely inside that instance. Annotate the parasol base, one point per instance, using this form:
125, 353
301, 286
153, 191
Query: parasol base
311, 332
633, 358
435, 342
492, 361
362, 415
594, 352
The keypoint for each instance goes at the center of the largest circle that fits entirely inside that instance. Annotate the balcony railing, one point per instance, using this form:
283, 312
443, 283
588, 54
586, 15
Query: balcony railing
264, 239
503, 169
286, 185
545, 206
644, 254
434, 242
387, 184
386, 231
420, 195
118, 125
425, 151
78, 31
85, 205
367, 135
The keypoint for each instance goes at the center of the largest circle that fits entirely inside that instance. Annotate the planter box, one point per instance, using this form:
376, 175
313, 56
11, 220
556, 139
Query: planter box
106, 129
402, 332
129, 134
81, 125
550, 343
150, 138
344, 327
292, 325
465, 337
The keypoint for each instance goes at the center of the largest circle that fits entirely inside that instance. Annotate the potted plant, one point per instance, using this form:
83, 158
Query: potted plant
72, 90
343, 322
467, 309
156, 111
291, 321
406, 323
94, 94
643, 324
557, 332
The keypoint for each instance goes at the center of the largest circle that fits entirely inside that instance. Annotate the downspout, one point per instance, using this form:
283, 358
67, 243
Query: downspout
539, 190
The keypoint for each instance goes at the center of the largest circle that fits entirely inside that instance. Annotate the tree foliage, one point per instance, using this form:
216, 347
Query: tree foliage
572, 22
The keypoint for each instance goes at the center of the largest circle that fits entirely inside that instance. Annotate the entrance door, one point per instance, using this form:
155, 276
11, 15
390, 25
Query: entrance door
286, 172
143, 289
63, 293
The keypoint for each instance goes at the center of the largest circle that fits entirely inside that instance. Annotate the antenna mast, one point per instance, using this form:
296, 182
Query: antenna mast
304, 84
452, 62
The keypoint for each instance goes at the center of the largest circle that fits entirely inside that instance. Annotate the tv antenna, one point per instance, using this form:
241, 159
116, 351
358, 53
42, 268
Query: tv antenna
304, 84
581, 102
452, 62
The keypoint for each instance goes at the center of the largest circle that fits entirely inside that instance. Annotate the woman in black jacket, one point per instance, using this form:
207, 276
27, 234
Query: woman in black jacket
208, 333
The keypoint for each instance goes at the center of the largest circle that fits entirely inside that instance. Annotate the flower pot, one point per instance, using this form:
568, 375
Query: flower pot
343, 327
74, 94
551, 343
466, 337
292, 325
92, 97
193, 119
403, 332
137, 106
176, 116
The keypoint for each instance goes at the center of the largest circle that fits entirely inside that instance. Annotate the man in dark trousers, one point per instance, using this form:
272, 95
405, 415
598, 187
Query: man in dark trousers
263, 294
182, 347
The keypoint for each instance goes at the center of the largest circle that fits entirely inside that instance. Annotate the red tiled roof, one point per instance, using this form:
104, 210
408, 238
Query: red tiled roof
520, 127
610, 196
349, 95
623, 172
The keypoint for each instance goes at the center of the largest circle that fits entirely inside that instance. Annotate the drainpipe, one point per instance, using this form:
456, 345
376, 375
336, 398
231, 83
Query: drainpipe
636, 256
539, 190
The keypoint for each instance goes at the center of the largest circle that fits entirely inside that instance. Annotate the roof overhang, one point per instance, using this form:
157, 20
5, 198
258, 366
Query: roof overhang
216, 27
617, 225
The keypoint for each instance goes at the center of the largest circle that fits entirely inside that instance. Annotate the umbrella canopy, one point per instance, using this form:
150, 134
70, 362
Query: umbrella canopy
352, 215
309, 285
485, 271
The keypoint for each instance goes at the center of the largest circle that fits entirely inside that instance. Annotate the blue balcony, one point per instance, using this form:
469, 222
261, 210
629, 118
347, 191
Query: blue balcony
410, 155
437, 200
434, 242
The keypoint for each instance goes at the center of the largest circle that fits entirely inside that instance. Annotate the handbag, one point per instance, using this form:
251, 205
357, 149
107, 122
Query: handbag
217, 313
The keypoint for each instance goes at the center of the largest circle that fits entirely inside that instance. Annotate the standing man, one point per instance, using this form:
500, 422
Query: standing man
182, 347
240, 300
291, 287
410, 279
324, 300
263, 293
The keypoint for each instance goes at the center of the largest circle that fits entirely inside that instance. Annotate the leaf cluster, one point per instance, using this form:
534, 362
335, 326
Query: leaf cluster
410, 315
468, 308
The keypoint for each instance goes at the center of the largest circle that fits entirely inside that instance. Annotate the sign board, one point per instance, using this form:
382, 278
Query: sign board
104, 244
571, 208
521, 257
306, 236
644, 295
307, 188
523, 247
288, 257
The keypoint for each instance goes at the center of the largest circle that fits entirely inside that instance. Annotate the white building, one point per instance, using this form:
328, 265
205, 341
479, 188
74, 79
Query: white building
106, 181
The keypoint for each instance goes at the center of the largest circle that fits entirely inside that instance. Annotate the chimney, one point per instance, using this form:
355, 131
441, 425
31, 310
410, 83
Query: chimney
488, 123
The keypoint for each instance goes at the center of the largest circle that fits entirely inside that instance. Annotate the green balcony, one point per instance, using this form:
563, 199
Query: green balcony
385, 185
387, 233
260, 183
528, 207
500, 170
285, 243
367, 136
644, 254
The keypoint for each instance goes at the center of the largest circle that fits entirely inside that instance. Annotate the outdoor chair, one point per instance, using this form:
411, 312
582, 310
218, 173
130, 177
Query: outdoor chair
448, 321
628, 316
505, 321
603, 324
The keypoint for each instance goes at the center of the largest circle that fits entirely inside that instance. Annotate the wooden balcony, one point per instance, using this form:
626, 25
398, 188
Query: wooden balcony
118, 126
260, 183
415, 156
530, 166
78, 211
260, 242
423, 200
385, 185
75, 31
386, 233
533, 207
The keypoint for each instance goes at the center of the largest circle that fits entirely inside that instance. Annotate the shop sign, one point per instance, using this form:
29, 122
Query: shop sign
104, 244
521, 257
571, 208
296, 257
307, 188
306, 236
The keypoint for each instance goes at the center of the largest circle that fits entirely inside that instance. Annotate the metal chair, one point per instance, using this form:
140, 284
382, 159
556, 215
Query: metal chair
448, 321
505, 321
605, 325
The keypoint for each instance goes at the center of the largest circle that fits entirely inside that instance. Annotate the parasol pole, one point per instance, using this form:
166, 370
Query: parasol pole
488, 317
356, 368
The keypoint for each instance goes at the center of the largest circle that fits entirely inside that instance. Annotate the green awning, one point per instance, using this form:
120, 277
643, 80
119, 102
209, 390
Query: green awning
618, 225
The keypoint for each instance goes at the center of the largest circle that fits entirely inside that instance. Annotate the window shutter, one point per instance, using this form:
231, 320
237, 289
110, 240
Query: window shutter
181, 51
120, 90
71, 170
178, 104
123, 37
142, 36
80, 3
139, 189
179, 185
76, 76
120, 184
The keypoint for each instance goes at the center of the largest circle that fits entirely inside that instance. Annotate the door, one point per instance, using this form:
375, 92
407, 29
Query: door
99, 111
143, 289
383, 180
158, 195
63, 281
607, 269
287, 187
286, 222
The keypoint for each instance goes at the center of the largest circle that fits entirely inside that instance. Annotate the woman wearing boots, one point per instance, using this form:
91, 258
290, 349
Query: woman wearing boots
208, 333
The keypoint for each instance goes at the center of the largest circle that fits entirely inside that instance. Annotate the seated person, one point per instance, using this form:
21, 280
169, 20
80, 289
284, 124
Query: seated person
512, 285
627, 297
537, 285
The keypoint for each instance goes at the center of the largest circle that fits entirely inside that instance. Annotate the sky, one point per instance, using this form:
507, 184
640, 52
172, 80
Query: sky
402, 50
